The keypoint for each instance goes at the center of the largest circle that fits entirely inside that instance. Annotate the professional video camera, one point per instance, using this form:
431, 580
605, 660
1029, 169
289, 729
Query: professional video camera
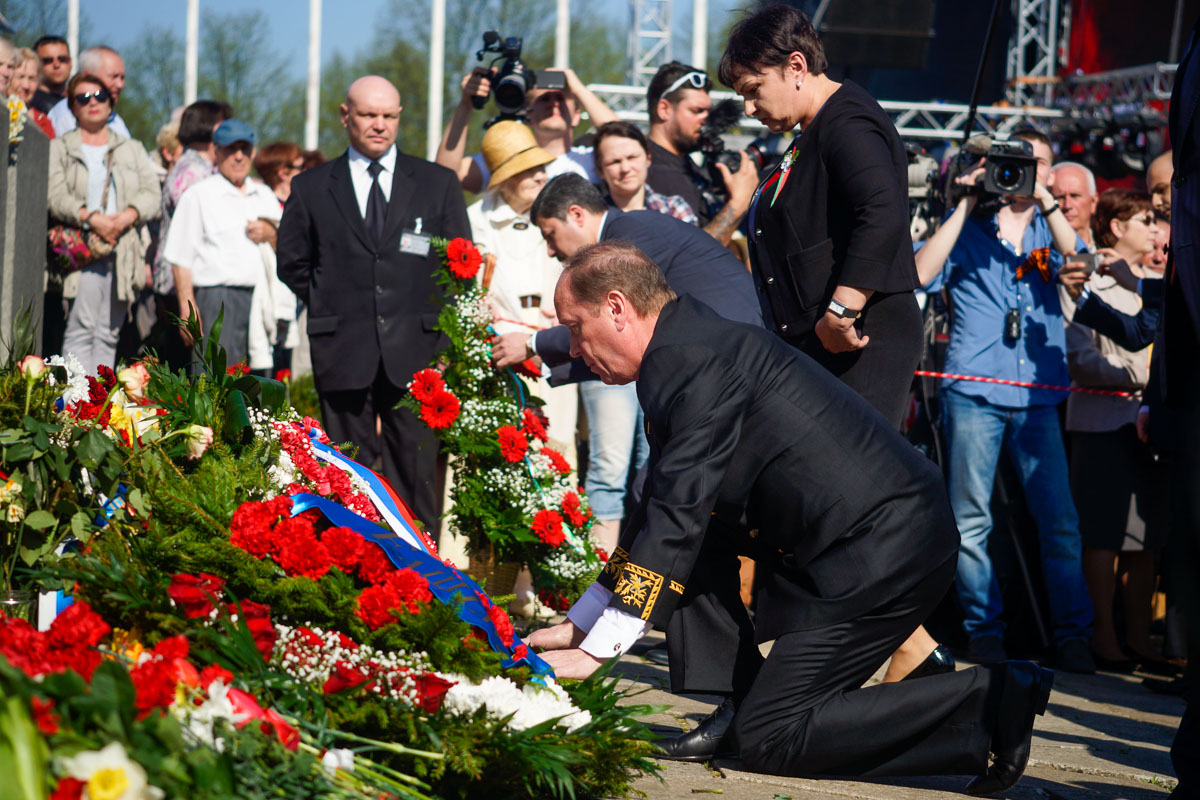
923, 208
764, 152
511, 81
1010, 169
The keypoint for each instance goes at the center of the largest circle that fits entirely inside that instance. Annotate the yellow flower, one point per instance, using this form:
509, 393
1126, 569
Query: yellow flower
107, 784
110, 774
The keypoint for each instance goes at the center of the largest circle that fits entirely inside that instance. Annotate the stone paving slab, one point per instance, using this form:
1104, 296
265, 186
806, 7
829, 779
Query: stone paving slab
1103, 736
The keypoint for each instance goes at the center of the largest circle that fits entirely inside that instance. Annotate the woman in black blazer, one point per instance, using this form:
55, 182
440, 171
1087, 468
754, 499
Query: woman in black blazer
829, 233
830, 246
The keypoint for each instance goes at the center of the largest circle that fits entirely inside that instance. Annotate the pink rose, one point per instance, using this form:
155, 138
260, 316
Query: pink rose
32, 367
135, 378
199, 438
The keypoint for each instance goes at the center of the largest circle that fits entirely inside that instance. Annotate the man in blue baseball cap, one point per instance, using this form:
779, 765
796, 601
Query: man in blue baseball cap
217, 239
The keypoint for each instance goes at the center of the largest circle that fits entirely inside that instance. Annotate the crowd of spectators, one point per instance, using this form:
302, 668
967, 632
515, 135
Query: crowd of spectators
190, 230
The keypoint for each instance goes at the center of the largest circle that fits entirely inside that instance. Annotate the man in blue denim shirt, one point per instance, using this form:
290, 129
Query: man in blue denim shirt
1008, 324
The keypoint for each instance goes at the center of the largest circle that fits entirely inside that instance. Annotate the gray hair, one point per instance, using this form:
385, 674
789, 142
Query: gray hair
92, 59
1087, 173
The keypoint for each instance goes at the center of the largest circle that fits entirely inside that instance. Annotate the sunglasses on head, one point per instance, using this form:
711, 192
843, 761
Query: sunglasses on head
100, 96
696, 78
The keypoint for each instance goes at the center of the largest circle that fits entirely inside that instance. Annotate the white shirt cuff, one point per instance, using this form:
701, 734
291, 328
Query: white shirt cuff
1083, 297
614, 633
589, 607
532, 343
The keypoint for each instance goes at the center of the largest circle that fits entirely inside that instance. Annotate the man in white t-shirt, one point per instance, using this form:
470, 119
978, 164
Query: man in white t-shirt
551, 113
213, 244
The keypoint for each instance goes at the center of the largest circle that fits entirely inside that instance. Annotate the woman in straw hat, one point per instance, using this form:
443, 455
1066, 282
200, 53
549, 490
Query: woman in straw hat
521, 285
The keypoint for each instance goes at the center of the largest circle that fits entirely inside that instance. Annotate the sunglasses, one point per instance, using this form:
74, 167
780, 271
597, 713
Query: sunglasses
697, 79
57, 60
100, 96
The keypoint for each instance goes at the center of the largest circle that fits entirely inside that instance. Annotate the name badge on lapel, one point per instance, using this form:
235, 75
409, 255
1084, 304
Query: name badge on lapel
415, 243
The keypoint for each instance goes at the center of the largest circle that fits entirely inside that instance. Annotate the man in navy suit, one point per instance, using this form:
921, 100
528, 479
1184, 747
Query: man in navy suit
1172, 419
571, 213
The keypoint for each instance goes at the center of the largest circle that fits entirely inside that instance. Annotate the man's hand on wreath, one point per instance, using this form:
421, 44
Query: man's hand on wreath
573, 663
562, 636
510, 349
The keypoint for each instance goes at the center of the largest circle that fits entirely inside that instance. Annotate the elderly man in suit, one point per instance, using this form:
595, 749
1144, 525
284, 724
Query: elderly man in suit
354, 245
571, 213
1171, 419
755, 447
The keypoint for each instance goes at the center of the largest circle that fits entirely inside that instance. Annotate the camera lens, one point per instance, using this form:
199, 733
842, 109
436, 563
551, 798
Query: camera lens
510, 92
1008, 176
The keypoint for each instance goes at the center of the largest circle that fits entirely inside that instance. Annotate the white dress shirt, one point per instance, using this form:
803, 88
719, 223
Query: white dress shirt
611, 631
208, 231
362, 179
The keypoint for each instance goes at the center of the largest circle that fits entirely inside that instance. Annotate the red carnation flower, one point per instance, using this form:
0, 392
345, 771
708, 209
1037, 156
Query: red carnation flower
213, 673
513, 444
573, 508
77, 626
520, 652
534, 423
195, 593
403, 590
373, 563
240, 368
548, 525
154, 682
502, 624
462, 258
425, 384
69, 789
557, 462
344, 547
44, 716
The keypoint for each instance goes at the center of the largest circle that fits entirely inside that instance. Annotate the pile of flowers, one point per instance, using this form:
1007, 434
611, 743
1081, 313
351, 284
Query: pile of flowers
512, 495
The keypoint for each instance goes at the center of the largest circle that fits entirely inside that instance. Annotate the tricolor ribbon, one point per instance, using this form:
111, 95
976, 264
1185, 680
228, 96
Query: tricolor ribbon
448, 584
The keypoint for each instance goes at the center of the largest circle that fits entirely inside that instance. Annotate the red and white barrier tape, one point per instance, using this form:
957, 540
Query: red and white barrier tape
1078, 389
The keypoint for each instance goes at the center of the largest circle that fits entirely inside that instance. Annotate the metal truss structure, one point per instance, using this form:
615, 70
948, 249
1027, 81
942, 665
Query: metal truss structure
1118, 90
1032, 65
649, 39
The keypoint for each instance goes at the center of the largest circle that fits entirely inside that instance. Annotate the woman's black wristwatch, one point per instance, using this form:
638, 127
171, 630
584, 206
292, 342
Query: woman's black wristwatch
839, 310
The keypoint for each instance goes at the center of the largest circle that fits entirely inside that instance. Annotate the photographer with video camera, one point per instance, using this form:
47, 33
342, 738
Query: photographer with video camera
678, 104
549, 102
1003, 248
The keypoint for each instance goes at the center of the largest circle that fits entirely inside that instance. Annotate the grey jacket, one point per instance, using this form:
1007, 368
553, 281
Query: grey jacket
1096, 362
136, 187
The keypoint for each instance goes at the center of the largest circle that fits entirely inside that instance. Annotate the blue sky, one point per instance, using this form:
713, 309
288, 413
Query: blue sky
348, 25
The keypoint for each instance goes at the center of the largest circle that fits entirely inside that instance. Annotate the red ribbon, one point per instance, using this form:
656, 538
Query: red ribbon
1078, 389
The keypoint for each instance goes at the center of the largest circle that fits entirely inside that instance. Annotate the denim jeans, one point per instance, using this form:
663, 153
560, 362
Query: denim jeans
976, 431
616, 440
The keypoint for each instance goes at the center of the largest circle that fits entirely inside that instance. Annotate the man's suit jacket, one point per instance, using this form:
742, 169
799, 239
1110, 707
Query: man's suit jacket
694, 263
367, 301
1132, 332
748, 431
1174, 390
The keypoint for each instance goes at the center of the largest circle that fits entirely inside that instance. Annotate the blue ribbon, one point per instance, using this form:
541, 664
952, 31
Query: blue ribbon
445, 582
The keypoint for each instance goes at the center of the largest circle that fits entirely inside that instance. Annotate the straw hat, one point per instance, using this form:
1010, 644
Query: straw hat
508, 149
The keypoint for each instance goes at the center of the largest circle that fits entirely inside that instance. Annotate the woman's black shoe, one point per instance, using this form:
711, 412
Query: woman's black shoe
938, 662
1026, 692
708, 740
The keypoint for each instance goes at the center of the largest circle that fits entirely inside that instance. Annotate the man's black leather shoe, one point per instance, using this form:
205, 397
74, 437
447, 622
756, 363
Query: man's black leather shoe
1026, 692
708, 740
938, 662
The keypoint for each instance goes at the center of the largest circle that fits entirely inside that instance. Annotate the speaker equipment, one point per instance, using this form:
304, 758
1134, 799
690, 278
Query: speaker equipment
876, 33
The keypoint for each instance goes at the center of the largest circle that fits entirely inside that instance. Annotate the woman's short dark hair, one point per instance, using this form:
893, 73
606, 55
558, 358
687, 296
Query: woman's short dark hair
564, 191
766, 38
81, 78
273, 157
620, 129
199, 120
1121, 204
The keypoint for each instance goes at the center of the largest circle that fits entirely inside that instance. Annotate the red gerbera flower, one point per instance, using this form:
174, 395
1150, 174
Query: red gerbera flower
573, 508
513, 444
534, 423
547, 525
441, 410
425, 384
557, 462
462, 258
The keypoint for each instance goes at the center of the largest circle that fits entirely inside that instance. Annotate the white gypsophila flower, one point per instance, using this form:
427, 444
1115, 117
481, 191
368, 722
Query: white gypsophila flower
111, 773
528, 706
77, 383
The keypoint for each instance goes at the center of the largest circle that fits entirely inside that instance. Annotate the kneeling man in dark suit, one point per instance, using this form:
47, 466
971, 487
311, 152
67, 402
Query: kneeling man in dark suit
757, 449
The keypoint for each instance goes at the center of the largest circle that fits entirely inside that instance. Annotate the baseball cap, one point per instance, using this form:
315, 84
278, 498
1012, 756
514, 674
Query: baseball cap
233, 130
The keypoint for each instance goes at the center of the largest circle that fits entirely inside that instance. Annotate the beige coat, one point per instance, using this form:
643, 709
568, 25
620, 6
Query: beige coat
136, 187
1096, 362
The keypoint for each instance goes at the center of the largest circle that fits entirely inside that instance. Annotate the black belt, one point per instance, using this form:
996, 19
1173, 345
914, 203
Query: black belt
531, 301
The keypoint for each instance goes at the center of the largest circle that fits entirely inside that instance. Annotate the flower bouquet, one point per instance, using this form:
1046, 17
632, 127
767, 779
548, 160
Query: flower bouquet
513, 497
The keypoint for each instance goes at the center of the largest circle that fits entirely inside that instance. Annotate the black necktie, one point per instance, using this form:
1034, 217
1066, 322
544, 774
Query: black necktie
376, 203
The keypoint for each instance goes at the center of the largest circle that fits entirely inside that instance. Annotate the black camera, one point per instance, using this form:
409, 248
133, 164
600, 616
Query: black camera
1010, 168
511, 80
764, 152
